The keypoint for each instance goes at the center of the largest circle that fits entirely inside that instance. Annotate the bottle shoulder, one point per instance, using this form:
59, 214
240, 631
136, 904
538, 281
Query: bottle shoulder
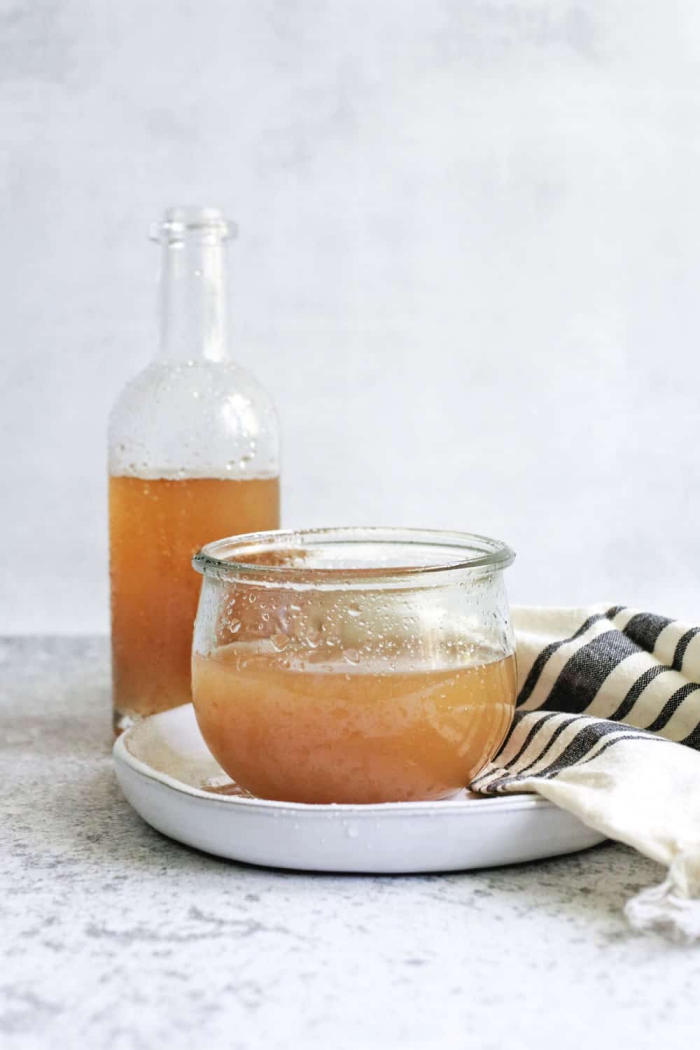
200, 417
166, 382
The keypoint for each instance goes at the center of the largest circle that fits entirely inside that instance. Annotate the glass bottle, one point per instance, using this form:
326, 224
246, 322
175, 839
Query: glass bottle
193, 456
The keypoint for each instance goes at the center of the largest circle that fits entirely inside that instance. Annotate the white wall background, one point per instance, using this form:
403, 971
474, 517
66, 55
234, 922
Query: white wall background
468, 270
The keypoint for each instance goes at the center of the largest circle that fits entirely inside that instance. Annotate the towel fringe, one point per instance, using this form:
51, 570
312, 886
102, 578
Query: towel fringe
673, 907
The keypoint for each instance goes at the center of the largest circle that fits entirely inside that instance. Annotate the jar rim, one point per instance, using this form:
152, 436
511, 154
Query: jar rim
235, 556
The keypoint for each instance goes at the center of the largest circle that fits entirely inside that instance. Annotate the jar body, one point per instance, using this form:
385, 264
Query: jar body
193, 455
329, 683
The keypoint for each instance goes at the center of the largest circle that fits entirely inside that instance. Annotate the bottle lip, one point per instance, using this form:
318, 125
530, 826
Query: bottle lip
350, 557
179, 220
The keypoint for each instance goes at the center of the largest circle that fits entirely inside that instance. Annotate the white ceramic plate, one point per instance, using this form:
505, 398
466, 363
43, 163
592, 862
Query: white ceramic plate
170, 778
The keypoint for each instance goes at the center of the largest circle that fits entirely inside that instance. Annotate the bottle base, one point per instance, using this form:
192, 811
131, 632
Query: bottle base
122, 721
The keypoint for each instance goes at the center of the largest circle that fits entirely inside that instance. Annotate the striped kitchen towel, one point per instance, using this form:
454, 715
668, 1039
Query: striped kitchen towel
607, 726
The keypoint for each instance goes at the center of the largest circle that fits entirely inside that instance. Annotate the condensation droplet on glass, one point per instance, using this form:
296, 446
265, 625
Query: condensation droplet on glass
196, 394
313, 638
235, 626
354, 610
351, 656
280, 641
266, 617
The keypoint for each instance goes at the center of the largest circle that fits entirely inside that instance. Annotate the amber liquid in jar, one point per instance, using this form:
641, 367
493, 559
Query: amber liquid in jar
156, 525
342, 733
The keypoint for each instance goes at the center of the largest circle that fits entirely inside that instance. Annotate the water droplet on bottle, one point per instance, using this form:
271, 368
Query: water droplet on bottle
313, 638
266, 617
280, 641
196, 394
352, 656
353, 831
230, 465
354, 610
235, 626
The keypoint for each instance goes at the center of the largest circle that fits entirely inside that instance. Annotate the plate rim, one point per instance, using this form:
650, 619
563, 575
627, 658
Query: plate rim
123, 756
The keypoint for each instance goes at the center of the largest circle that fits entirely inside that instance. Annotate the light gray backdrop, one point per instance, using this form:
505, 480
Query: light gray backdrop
468, 270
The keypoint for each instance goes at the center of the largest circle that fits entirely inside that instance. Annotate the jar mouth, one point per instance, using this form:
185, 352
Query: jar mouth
348, 556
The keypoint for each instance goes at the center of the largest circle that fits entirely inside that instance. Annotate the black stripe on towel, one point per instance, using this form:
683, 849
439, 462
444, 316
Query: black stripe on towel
671, 706
532, 733
564, 724
645, 679
645, 628
693, 739
578, 751
582, 676
587, 737
617, 739
500, 785
636, 691
683, 643
539, 664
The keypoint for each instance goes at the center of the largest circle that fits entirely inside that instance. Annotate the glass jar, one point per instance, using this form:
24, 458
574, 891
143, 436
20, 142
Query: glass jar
193, 454
353, 665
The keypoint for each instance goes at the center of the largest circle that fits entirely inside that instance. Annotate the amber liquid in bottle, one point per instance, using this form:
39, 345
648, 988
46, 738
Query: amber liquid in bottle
193, 458
156, 525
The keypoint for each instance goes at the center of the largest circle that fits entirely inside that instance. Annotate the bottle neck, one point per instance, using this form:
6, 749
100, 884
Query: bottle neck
193, 285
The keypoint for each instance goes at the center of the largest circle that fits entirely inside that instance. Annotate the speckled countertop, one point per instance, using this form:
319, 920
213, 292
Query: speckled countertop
112, 936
